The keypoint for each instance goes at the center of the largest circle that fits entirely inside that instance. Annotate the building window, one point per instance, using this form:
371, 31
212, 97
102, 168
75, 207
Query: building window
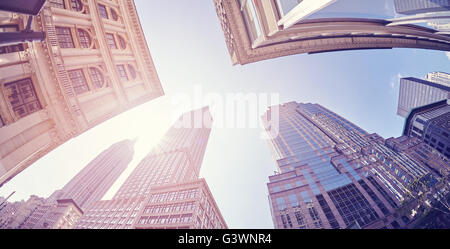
97, 77
78, 80
111, 41
64, 37
352, 205
76, 5
122, 73
114, 15
123, 44
22, 97
57, 4
102, 10
132, 71
10, 48
328, 213
85, 38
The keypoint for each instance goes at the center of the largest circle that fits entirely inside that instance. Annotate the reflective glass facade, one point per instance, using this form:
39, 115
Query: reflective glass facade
333, 174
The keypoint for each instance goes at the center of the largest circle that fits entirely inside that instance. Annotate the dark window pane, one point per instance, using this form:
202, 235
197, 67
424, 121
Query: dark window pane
132, 71
123, 44
76, 5
353, 209
102, 10
122, 73
10, 48
114, 15
22, 96
85, 39
64, 37
78, 80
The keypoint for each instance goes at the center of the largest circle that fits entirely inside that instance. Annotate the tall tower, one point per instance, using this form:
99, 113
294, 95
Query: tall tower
93, 65
164, 190
333, 174
94, 180
416, 92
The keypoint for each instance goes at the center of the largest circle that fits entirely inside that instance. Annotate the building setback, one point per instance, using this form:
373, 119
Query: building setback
170, 171
333, 174
93, 65
416, 92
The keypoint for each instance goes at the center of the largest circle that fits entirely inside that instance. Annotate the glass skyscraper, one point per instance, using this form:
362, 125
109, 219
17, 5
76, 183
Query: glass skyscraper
430, 123
333, 174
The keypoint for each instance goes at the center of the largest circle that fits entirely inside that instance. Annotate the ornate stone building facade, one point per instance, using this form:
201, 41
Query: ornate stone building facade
94, 64
259, 30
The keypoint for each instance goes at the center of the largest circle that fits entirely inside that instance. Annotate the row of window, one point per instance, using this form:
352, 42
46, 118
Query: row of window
77, 5
170, 208
174, 195
65, 39
80, 84
23, 99
185, 218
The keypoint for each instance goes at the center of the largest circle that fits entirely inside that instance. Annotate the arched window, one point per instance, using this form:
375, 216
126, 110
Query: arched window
97, 77
85, 38
123, 44
114, 15
78, 80
76, 5
132, 71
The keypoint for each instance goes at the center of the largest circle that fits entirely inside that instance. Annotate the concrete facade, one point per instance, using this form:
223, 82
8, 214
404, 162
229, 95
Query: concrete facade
255, 31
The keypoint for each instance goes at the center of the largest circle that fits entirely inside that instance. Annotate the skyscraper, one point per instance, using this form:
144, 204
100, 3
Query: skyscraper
95, 179
259, 30
439, 78
165, 181
93, 65
416, 92
432, 13
431, 124
411, 7
333, 174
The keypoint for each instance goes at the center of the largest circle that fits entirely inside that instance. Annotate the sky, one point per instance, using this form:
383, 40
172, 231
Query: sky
188, 48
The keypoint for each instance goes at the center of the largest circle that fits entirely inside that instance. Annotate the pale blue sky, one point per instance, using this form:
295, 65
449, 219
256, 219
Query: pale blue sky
188, 48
